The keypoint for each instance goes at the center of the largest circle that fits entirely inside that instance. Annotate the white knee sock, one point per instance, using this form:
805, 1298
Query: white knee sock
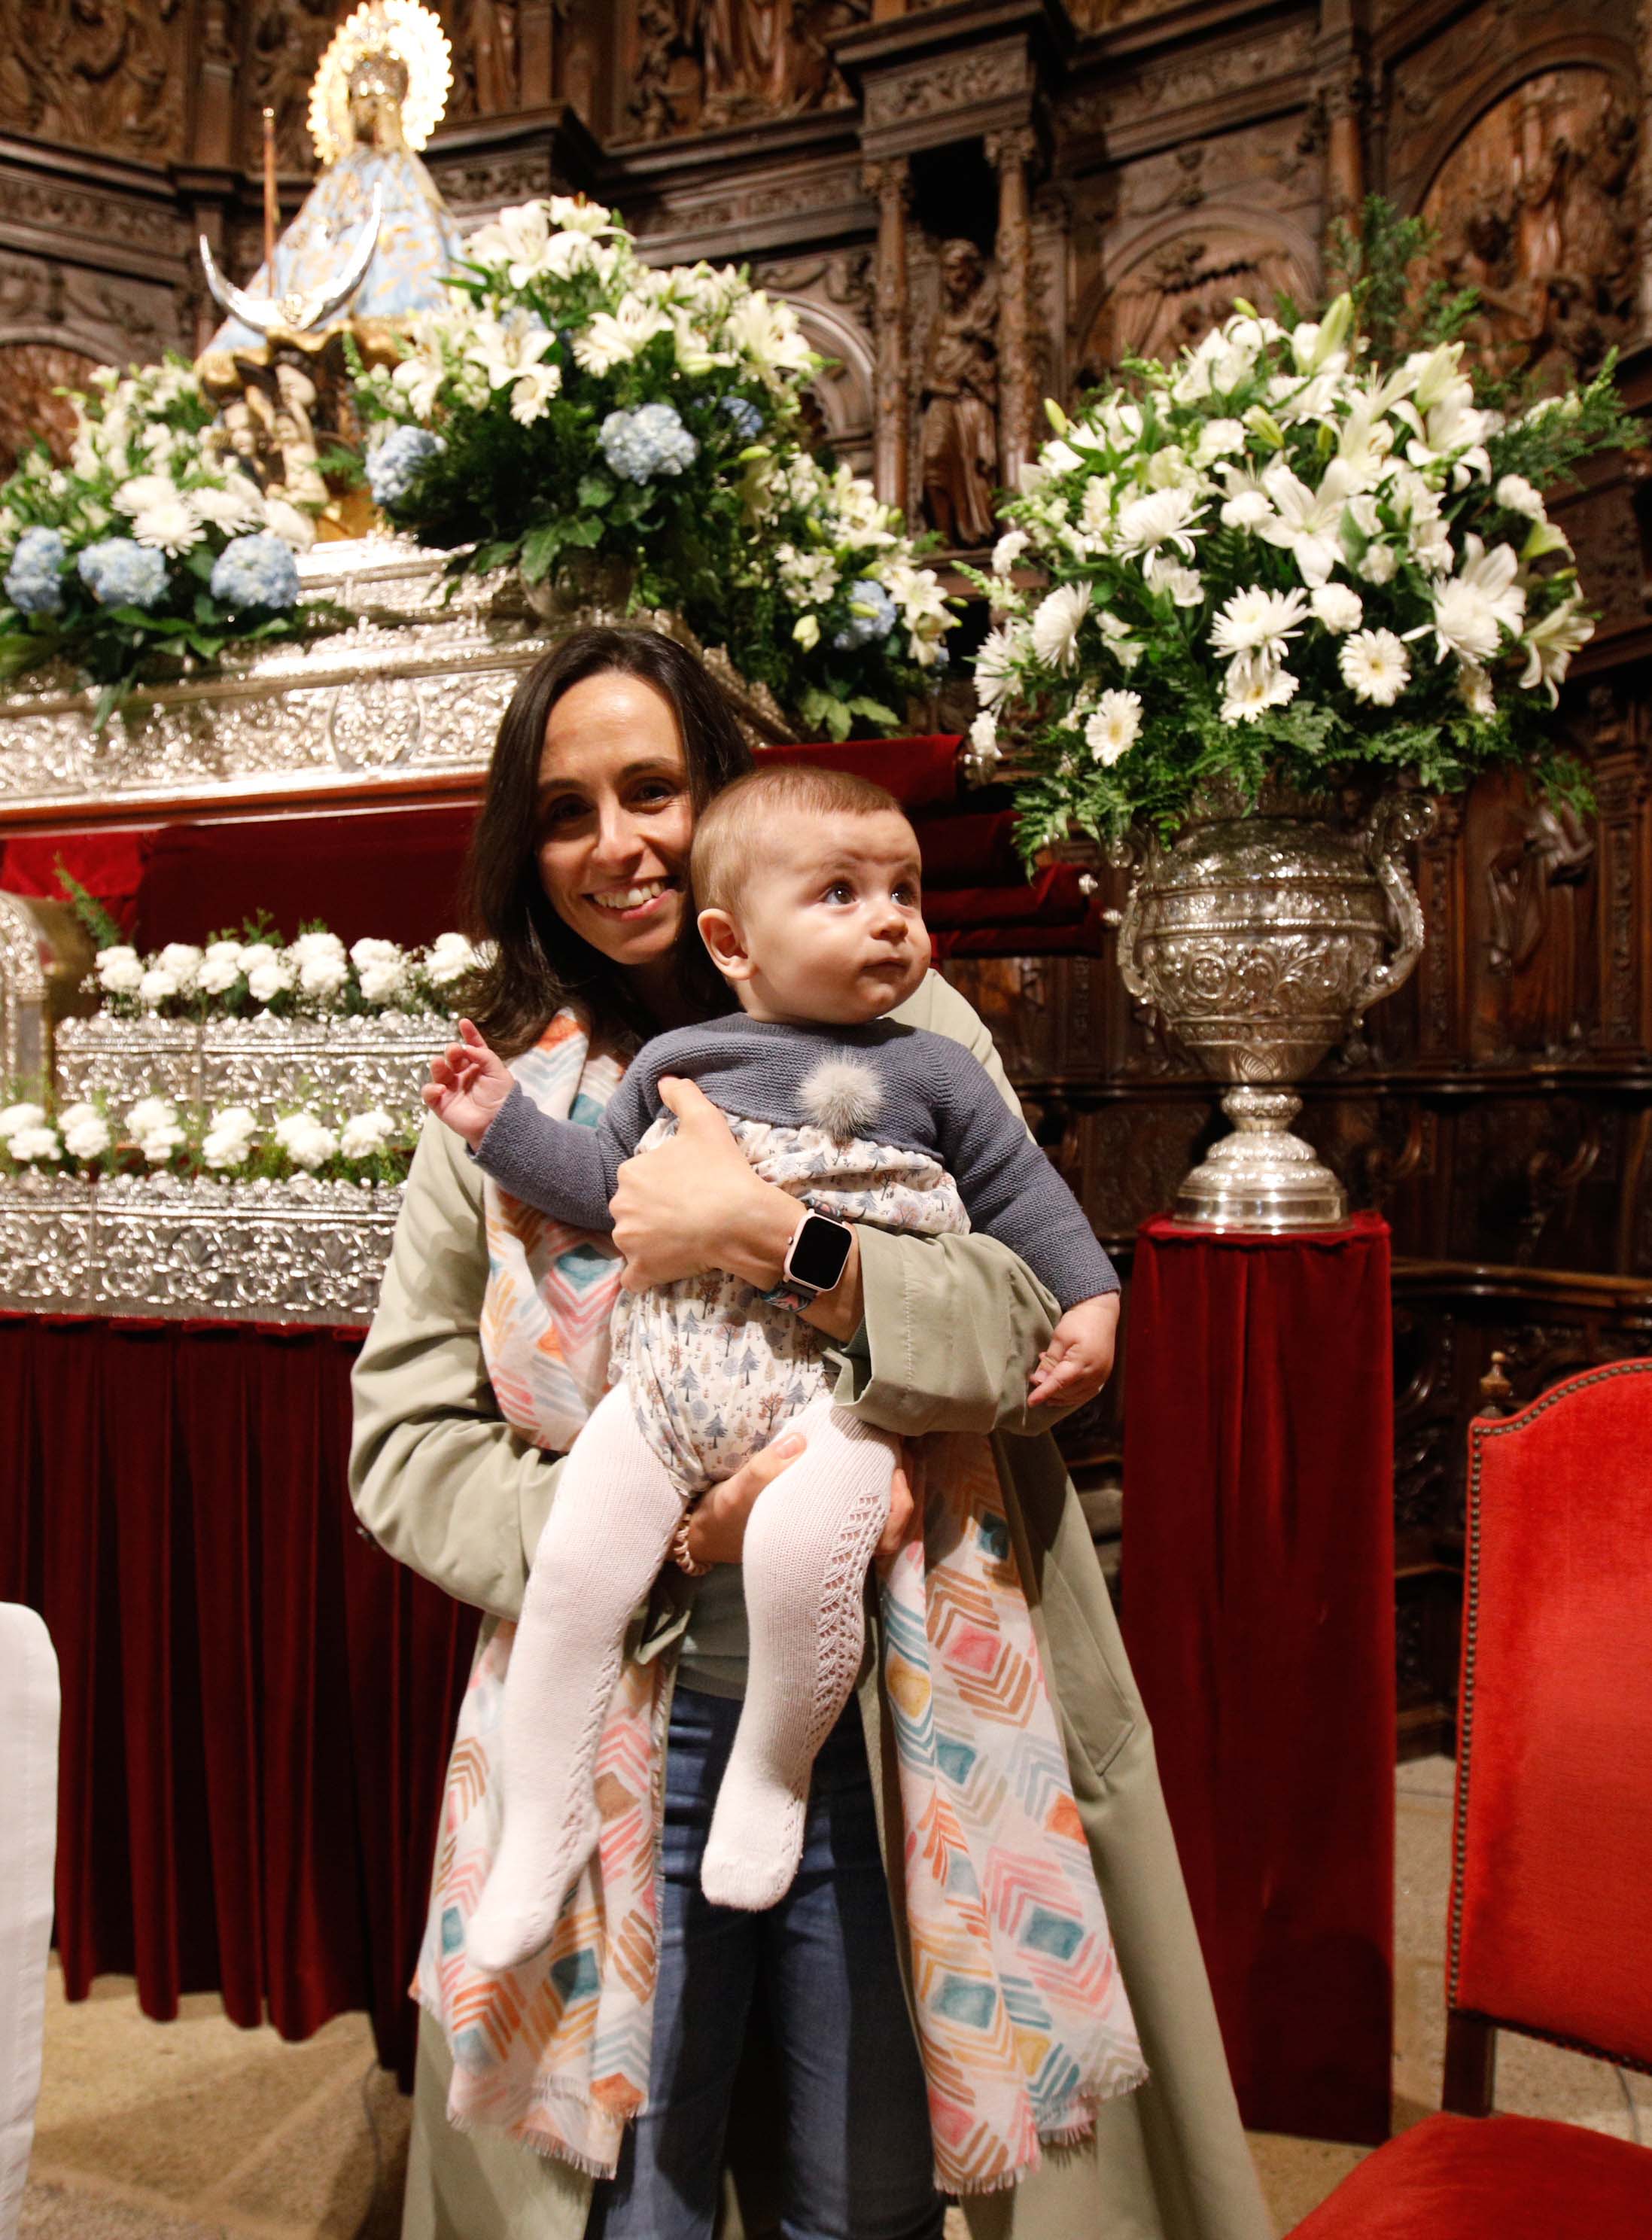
603, 1543
809, 1540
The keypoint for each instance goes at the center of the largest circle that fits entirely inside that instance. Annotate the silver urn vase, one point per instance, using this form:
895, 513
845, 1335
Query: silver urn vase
1262, 938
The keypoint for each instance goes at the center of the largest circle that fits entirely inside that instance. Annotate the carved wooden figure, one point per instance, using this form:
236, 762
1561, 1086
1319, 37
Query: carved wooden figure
959, 393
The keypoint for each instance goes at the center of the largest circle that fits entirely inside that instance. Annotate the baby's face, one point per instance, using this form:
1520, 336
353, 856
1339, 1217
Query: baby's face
833, 919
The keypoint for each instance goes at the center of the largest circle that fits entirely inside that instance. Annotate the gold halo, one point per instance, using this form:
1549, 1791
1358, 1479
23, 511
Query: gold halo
414, 37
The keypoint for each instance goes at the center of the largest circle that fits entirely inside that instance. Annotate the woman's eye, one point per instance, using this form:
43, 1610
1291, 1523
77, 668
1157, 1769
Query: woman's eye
560, 812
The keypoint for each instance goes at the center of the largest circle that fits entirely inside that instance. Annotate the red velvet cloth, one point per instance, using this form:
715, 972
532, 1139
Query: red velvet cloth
1258, 1609
1497, 2177
110, 865
1554, 1806
395, 871
258, 1702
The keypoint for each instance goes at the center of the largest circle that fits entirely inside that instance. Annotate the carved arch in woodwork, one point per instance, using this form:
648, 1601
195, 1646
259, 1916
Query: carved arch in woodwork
843, 392
1169, 282
1484, 87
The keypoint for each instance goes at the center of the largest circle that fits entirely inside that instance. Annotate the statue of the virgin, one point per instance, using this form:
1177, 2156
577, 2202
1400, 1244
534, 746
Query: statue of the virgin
380, 90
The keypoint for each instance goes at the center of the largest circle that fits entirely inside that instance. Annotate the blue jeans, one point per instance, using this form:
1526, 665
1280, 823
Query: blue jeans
856, 2138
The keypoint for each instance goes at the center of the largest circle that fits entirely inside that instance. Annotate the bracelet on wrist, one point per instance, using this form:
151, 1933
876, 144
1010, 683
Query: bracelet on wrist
679, 1548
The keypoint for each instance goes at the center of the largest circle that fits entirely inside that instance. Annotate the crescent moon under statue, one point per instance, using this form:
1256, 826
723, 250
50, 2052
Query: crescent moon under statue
299, 309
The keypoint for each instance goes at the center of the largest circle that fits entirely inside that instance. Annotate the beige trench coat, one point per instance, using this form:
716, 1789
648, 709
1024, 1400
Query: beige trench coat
951, 1327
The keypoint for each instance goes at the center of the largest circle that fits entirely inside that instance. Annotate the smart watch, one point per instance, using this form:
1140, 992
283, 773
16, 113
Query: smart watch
814, 1261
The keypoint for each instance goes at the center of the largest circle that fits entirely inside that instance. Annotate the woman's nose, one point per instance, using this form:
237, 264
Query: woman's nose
617, 840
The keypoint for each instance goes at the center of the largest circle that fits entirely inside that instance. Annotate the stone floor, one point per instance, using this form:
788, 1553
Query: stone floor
197, 2131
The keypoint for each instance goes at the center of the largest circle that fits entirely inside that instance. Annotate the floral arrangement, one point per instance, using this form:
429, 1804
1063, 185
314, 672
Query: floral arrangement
156, 1137
575, 406
1278, 557
149, 551
255, 974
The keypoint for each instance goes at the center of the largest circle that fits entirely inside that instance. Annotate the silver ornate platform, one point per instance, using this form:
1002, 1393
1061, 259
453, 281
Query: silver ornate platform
413, 683
302, 1250
341, 1065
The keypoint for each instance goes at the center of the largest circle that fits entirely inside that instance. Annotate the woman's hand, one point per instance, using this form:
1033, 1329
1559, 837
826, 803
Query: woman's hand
717, 1532
906, 1505
694, 1202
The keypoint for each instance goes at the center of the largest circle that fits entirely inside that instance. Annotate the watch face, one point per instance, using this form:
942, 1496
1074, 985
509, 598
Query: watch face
819, 1252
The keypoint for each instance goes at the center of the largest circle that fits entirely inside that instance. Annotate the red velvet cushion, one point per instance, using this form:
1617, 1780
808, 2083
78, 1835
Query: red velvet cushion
1556, 1803
1506, 2177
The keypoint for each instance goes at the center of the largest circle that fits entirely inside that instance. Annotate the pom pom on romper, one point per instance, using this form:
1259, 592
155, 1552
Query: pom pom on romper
842, 1094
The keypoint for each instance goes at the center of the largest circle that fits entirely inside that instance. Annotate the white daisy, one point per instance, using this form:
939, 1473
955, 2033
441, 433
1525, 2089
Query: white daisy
1055, 624
1253, 685
994, 672
1161, 517
1255, 618
171, 524
1112, 728
1375, 666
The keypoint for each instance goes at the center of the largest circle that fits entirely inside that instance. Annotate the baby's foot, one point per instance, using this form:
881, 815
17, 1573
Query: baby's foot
752, 1852
526, 1891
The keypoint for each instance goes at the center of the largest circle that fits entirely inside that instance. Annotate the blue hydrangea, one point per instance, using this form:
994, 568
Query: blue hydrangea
876, 623
35, 579
747, 421
255, 571
120, 573
393, 467
647, 440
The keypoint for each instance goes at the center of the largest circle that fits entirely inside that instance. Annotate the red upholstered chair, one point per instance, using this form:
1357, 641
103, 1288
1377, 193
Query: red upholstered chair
1551, 1893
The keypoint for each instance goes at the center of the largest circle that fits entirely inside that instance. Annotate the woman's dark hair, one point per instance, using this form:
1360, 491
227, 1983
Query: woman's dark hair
538, 962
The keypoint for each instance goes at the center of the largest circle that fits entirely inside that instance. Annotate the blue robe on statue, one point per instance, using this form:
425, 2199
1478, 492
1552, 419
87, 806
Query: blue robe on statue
418, 241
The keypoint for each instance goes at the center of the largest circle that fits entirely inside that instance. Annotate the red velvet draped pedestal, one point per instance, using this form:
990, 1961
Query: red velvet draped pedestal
258, 1702
1258, 1609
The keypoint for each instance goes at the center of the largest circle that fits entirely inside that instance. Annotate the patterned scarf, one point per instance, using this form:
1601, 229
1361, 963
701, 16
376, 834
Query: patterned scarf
1023, 2023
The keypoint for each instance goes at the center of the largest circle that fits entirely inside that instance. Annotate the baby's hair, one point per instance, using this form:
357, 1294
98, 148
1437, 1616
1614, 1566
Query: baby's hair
728, 834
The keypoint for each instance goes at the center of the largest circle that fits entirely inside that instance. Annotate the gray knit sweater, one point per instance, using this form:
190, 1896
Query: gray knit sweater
886, 1084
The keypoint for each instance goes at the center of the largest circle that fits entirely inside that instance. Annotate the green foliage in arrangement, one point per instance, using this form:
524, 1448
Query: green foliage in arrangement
631, 436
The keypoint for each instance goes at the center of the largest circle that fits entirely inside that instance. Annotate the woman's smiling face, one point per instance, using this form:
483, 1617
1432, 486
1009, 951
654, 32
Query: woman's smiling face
616, 817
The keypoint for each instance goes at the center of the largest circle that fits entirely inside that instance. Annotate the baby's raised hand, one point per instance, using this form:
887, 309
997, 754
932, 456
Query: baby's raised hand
467, 1084
1078, 1360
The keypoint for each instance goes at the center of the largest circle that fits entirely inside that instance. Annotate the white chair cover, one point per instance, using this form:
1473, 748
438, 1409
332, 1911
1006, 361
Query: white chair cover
28, 1709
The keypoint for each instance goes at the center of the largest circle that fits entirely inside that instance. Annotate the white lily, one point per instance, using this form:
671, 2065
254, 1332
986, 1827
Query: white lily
1307, 523
1551, 642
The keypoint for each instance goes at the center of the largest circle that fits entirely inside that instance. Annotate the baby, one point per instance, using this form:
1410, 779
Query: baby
807, 882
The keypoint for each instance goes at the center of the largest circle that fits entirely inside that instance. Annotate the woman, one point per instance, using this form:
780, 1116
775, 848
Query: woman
608, 747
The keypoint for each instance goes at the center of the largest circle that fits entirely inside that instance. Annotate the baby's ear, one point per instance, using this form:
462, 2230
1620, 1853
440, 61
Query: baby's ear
727, 944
